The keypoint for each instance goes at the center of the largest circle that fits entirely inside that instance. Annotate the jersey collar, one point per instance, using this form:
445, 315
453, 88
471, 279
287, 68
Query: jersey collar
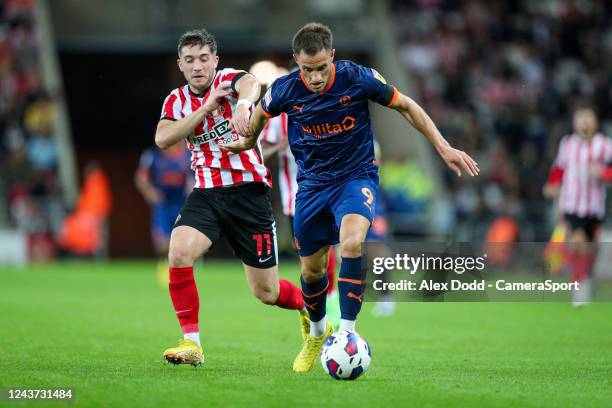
329, 85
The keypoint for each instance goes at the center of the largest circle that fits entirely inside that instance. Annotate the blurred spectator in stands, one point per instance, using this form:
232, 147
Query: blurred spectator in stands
85, 231
515, 69
28, 150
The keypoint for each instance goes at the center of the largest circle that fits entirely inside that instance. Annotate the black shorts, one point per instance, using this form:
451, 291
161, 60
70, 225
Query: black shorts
243, 213
590, 225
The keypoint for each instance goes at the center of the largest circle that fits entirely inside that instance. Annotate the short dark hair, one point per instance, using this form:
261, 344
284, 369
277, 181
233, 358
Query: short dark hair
199, 36
312, 38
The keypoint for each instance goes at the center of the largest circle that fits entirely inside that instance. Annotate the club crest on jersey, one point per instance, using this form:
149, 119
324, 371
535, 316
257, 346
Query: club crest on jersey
220, 133
345, 100
378, 76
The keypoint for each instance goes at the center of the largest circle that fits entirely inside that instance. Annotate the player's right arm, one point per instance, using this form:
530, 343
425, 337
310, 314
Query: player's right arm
170, 132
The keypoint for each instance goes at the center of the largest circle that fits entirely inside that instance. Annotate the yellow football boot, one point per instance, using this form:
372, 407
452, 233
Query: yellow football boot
304, 324
310, 350
187, 352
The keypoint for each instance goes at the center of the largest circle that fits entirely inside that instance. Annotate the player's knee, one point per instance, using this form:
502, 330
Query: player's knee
350, 246
267, 294
312, 274
180, 257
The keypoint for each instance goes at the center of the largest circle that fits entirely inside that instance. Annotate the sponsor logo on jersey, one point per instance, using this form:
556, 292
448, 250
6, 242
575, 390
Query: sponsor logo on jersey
220, 133
329, 128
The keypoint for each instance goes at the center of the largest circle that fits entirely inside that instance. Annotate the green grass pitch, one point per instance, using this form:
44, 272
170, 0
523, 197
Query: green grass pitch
101, 328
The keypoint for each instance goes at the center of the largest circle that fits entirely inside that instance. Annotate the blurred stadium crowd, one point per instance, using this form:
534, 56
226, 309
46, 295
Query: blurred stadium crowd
28, 147
501, 79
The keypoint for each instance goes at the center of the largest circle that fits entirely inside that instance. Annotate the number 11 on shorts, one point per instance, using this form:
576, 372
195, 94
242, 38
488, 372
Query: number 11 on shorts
259, 239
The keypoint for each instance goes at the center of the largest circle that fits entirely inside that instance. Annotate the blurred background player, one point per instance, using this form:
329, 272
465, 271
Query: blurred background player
232, 191
579, 172
163, 178
275, 142
331, 139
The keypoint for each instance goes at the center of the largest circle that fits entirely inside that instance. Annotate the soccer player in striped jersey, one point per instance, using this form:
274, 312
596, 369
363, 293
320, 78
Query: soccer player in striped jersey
578, 177
232, 191
331, 138
275, 141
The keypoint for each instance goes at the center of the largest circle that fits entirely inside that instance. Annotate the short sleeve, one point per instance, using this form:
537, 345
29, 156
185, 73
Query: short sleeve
171, 109
231, 75
273, 100
376, 86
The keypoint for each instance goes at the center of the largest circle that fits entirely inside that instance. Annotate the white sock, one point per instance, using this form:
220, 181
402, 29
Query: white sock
195, 336
317, 329
347, 325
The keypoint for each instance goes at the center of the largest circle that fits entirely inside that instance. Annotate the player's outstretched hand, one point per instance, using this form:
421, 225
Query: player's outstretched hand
240, 120
458, 159
214, 99
240, 145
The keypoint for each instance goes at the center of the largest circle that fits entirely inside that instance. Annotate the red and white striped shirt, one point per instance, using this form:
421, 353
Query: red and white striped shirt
215, 167
274, 133
582, 194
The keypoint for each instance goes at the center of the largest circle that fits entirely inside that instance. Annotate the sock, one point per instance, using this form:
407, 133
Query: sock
347, 325
570, 260
315, 295
184, 294
591, 258
581, 266
195, 336
350, 285
289, 296
331, 271
317, 329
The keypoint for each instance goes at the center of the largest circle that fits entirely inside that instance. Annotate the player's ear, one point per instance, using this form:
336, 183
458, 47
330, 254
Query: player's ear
332, 54
179, 63
295, 58
216, 61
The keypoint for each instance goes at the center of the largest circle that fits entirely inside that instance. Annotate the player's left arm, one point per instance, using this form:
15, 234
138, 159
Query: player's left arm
248, 89
142, 180
420, 120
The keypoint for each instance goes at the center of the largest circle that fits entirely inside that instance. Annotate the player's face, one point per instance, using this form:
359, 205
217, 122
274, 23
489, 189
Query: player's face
316, 69
585, 122
198, 65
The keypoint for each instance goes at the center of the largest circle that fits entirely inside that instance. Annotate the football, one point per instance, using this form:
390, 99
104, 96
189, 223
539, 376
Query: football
346, 355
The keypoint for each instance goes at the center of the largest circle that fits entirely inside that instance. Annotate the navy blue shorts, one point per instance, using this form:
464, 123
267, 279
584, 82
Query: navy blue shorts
319, 212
